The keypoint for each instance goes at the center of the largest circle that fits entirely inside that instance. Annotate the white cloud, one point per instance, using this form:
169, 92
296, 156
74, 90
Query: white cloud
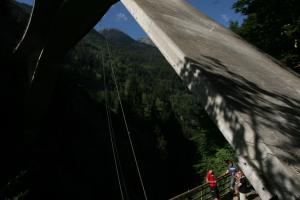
121, 17
225, 18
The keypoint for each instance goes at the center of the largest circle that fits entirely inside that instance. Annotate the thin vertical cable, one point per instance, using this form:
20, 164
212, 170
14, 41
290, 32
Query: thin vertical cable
125, 122
110, 129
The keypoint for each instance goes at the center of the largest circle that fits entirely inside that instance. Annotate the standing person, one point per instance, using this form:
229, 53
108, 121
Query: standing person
231, 169
242, 186
237, 177
211, 180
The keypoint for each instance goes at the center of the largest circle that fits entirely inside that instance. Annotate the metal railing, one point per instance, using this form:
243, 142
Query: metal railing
202, 192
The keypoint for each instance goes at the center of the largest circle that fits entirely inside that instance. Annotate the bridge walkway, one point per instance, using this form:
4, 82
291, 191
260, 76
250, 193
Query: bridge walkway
202, 192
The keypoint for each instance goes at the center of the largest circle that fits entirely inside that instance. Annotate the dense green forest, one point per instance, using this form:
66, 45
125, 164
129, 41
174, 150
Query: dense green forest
273, 26
71, 156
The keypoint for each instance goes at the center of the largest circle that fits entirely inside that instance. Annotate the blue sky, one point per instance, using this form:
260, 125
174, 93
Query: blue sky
118, 17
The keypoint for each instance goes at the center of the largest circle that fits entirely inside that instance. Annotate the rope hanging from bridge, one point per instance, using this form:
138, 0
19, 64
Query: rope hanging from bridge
110, 129
125, 122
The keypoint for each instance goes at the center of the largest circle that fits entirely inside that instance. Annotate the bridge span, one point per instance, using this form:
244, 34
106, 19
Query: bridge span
253, 100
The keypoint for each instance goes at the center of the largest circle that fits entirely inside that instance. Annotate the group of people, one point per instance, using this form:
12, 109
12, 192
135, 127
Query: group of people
238, 182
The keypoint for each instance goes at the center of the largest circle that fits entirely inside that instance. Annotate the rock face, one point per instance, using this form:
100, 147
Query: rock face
254, 101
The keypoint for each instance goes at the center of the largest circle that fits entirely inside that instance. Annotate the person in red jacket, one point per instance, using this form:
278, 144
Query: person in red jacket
212, 181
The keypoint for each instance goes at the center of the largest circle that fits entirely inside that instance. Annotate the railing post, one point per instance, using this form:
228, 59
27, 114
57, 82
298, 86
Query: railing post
202, 192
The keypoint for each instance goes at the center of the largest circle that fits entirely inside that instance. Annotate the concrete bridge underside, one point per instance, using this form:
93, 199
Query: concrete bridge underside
253, 100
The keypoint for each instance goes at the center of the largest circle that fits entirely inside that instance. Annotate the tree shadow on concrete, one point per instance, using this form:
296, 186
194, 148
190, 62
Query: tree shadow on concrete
261, 125
252, 196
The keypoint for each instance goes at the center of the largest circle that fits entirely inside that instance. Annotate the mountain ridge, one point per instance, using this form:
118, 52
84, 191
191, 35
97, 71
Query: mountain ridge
116, 36
146, 40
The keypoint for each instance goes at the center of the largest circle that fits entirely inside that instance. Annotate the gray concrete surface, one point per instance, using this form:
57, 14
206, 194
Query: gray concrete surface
254, 100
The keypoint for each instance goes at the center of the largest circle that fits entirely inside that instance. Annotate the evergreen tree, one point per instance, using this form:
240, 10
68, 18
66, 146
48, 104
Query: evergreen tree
273, 26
